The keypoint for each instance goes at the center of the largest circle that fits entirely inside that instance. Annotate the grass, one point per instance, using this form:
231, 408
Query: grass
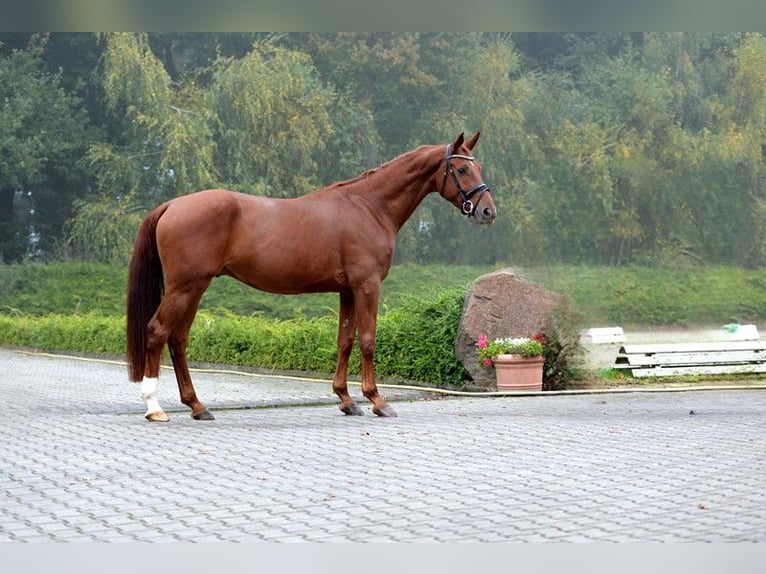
680, 296
625, 296
81, 288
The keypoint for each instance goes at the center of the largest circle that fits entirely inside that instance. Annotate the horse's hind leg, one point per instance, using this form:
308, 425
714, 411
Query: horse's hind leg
346, 334
177, 344
155, 342
178, 307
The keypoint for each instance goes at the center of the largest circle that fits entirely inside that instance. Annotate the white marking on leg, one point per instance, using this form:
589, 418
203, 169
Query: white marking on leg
148, 393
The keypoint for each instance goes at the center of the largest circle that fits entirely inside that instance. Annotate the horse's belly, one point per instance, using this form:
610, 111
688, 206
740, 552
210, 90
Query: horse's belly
285, 277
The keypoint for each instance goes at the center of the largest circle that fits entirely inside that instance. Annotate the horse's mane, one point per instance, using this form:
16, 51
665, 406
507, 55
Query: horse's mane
375, 170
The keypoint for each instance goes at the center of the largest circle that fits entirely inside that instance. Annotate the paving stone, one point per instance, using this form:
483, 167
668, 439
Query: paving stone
81, 464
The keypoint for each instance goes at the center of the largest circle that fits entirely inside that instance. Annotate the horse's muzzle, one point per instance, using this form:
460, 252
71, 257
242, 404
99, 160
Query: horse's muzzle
485, 211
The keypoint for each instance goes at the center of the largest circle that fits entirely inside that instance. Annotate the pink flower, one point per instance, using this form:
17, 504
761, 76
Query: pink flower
482, 342
487, 362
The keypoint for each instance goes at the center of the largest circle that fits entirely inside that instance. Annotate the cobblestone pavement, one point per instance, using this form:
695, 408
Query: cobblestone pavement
79, 463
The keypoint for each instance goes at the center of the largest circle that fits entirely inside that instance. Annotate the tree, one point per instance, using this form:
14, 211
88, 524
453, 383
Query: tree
161, 141
461, 63
271, 120
608, 148
41, 131
158, 145
257, 124
387, 74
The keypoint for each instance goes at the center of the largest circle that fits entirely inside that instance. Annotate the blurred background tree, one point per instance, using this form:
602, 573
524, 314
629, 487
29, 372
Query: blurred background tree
600, 148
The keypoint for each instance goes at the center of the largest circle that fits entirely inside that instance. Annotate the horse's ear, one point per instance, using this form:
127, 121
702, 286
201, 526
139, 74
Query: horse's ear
457, 143
472, 141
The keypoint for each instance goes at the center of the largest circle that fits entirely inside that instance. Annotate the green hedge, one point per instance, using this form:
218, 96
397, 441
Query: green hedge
414, 341
90, 333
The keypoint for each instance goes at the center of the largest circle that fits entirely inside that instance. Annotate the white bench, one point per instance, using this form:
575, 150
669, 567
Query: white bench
713, 358
602, 335
737, 332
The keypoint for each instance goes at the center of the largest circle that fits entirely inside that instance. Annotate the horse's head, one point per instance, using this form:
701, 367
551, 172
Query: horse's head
462, 184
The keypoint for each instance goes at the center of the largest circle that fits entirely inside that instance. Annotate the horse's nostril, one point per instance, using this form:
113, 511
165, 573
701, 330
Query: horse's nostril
487, 212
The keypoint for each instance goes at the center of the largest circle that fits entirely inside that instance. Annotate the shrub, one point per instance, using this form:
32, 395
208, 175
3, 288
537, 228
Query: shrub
414, 343
294, 344
562, 349
416, 340
89, 333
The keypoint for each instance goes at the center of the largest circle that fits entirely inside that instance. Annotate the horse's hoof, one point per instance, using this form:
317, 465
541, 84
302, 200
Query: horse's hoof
352, 409
157, 417
384, 411
205, 415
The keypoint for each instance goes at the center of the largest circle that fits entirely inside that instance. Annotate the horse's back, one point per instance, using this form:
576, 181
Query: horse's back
206, 203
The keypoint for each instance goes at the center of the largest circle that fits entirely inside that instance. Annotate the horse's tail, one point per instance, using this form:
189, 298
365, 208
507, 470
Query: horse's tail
145, 289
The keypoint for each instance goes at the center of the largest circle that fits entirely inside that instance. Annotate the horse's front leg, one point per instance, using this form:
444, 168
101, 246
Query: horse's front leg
367, 316
346, 334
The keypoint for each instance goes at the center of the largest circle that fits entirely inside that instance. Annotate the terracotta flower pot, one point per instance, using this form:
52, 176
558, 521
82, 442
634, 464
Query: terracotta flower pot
517, 373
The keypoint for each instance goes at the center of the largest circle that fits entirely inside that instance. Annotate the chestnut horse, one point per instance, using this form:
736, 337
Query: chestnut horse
337, 239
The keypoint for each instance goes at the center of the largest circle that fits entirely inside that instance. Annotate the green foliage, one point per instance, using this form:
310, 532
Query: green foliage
415, 341
62, 289
258, 125
89, 333
171, 131
75, 288
748, 87
600, 148
385, 73
41, 137
162, 142
524, 346
79, 307
562, 350
296, 344
103, 230
271, 120
684, 294
679, 294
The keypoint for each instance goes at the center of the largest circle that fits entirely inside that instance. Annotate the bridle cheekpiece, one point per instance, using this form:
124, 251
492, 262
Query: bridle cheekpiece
468, 206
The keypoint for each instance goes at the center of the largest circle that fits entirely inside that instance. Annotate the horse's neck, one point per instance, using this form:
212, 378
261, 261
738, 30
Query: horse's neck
398, 188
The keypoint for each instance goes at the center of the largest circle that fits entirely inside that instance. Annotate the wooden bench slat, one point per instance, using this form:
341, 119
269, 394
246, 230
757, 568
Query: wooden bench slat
698, 370
712, 357
706, 358
681, 347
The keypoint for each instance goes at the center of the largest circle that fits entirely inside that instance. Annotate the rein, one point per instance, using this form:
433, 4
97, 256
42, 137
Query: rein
468, 207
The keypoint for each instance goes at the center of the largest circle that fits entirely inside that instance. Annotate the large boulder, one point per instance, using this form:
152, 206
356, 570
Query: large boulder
500, 304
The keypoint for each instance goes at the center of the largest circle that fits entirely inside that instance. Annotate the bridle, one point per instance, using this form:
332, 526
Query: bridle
468, 206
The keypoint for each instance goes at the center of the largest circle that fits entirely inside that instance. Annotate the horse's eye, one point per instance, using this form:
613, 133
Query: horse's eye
462, 170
